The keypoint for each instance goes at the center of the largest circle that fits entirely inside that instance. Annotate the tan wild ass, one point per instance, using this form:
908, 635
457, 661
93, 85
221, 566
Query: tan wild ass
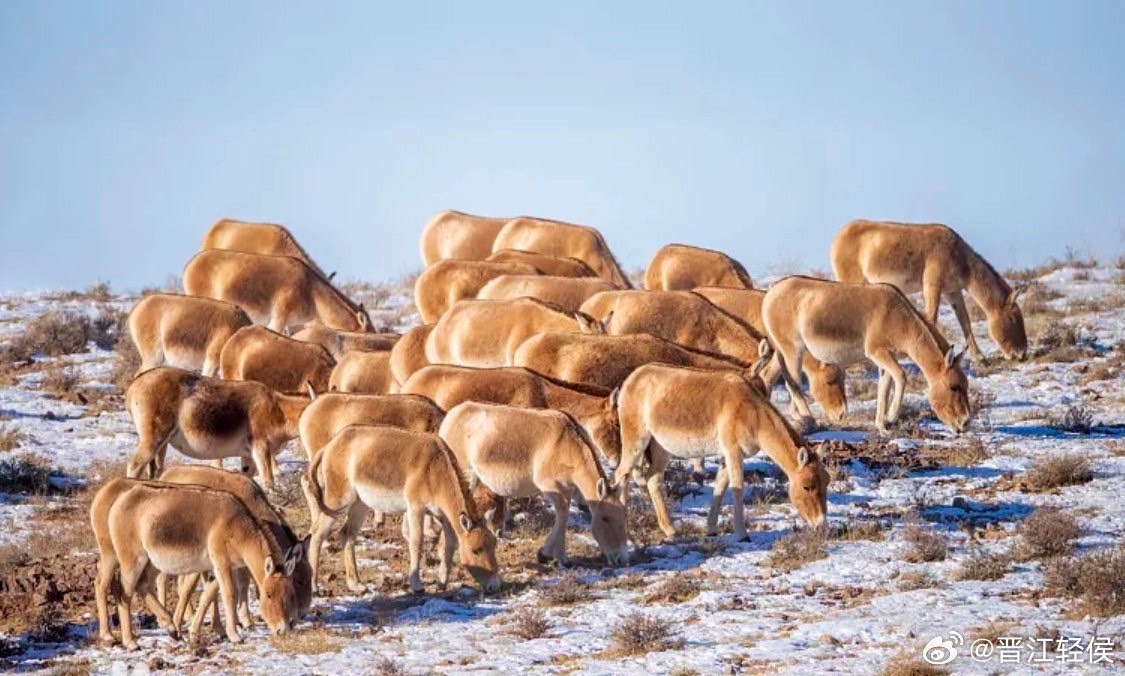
363, 372
391, 471
338, 343
184, 331
259, 238
692, 413
276, 291
933, 259
569, 293
520, 452
486, 333
330, 413
409, 353
446, 282
208, 419
556, 238
826, 381
449, 385
679, 267
142, 531
556, 266
844, 324
279, 362
454, 234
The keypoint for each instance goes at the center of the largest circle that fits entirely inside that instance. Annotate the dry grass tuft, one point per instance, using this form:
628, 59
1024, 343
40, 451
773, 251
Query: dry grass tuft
25, 473
312, 641
63, 383
49, 625
529, 623
1048, 532
1056, 471
861, 530
926, 544
1077, 418
909, 664
388, 666
52, 334
1097, 579
981, 565
639, 634
798, 548
567, 591
677, 589
126, 361
916, 579
1061, 342
10, 438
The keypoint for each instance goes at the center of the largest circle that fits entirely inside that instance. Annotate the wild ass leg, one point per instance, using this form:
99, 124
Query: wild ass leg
151, 442
886, 361
957, 301
554, 547
107, 566
263, 462
225, 576
185, 587
131, 567
146, 586
449, 546
416, 541
881, 400
352, 525
654, 482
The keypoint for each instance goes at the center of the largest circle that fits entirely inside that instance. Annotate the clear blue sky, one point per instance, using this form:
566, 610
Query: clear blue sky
127, 128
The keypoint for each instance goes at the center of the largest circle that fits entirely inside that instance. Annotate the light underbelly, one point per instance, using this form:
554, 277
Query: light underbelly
179, 562
206, 447
838, 352
688, 444
509, 484
183, 357
383, 500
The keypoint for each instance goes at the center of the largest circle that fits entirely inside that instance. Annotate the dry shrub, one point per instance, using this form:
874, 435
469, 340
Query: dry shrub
388, 666
638, 634
10, 438
107, 327
1049, 531
798, 548
909, 664
1056, 471
529, 623
126, 361
52, 334
965, 452
677, 589
62, 382
567, 591
981, 565
49, 625
314, 641
926, 544
862, 530
1097, 579
1077, 418
25, 473
98, 292
916, 579
1061, 342
1033, 273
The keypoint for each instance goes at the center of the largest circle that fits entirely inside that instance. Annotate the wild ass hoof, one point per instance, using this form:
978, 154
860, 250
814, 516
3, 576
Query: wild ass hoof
234, 638
108, 640
357, 588
132, 645
543, 557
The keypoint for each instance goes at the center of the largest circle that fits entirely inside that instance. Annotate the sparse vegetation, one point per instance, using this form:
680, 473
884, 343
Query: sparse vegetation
388, 666
529, 623
10, 438
916, 579
310, 641
1061, 342
1049, 531
126, 361
926, 544
1097, 579
798, 548
1057, 471
62, 382
1077, 418
867, 529
909, 664
49, 625
676, 589
24, 473
567, 591
52, 334
638, 634
981, 565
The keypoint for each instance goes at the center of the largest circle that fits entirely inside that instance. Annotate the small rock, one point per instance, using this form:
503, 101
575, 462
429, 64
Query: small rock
827, 639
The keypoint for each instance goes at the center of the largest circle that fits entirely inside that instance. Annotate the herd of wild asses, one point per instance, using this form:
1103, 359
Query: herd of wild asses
538, 366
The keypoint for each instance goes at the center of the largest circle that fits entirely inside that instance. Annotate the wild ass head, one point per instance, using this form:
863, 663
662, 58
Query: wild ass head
1006, 327
949, 392
808, 485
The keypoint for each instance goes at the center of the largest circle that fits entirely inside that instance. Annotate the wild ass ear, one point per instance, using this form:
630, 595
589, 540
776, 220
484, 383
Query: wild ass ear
952, 356
466, 522
587, 324
311, 391
489, 516
606, 320
802, 457
603, 489
270, 567
331, 275
615, 398
1015, 294
291, 559
764, 349
474, 481
361, 317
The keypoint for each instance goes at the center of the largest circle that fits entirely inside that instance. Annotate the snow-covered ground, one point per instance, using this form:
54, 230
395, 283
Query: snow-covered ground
849, 612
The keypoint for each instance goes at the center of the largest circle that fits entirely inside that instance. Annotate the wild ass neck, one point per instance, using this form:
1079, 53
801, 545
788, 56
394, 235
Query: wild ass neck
766, 429
986, 286
333, 307
918, 339
450, 490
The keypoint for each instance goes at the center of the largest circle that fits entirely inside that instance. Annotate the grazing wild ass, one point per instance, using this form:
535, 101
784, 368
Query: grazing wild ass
391, 471
455, 234
184, 331
409, 353
679, 267
692, 413
144, 530
339, 343
567, 292
556, 266
208, 419
605, 361
844, 324
276, 291
362, 372
486, 333
933, 259
826, 381
259, 238
520, 452
592, 407
245, 489
330, 413
446, 282
279, 362
555, 238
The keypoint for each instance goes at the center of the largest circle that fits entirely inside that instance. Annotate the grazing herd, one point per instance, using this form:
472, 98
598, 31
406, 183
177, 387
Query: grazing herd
538, 370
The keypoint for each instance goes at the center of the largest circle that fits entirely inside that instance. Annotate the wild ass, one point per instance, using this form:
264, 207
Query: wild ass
679, 267
692, 413
519, 452
259, 238
485, 333
330, 413
556, 266
826, 381
566, 292
184, 331
454, 234
279, 362
448, 281
409, 353
276, 291
449, 385
844, 324
556, 238
392, 470
338, 343
933, 259
363, 372
208, 419
142, 530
